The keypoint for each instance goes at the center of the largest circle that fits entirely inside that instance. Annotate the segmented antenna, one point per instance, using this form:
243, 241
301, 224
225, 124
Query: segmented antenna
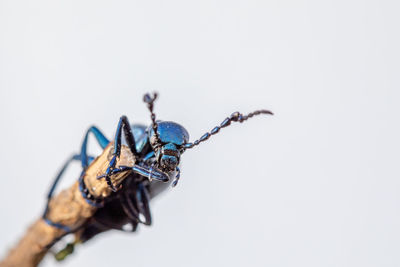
150, 105
235, 117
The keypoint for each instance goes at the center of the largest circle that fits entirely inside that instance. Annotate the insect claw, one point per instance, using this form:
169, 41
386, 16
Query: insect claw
175, 182
112, 187
177, 176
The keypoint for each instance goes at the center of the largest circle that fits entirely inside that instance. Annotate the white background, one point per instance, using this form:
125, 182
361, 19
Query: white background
315, 185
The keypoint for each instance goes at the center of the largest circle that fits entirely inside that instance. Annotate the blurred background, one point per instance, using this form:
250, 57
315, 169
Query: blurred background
315, 185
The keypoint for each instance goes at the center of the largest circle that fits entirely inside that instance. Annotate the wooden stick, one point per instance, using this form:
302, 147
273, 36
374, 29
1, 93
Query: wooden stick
68, 208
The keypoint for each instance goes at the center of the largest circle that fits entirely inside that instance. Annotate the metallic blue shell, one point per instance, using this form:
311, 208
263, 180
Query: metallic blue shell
171, 132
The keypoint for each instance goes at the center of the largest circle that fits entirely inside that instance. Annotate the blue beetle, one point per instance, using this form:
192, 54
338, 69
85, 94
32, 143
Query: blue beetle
157, 150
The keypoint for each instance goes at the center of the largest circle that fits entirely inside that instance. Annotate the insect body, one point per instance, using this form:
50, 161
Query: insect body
157, 151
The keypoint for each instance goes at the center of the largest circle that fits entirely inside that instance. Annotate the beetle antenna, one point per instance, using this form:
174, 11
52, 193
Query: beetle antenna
235, 117
149, 100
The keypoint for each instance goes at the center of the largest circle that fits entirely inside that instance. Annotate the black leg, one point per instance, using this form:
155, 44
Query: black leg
142, 199
123, 126
51, 192
113, 216
60, 174
85, 161
135, 204
129, 208
100, 138
83, 157
148, 172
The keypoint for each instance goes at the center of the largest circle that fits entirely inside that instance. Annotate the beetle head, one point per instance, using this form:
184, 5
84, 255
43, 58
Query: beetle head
168, 143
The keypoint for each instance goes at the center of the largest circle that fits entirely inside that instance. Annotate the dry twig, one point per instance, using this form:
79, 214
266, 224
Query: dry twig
68, 208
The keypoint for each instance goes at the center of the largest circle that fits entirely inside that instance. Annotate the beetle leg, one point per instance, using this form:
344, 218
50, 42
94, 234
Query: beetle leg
100, 138
85, 161
142, 199
51, 192
90, 199
177, 176
123, 126
112, 215
129, 208
150, 173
